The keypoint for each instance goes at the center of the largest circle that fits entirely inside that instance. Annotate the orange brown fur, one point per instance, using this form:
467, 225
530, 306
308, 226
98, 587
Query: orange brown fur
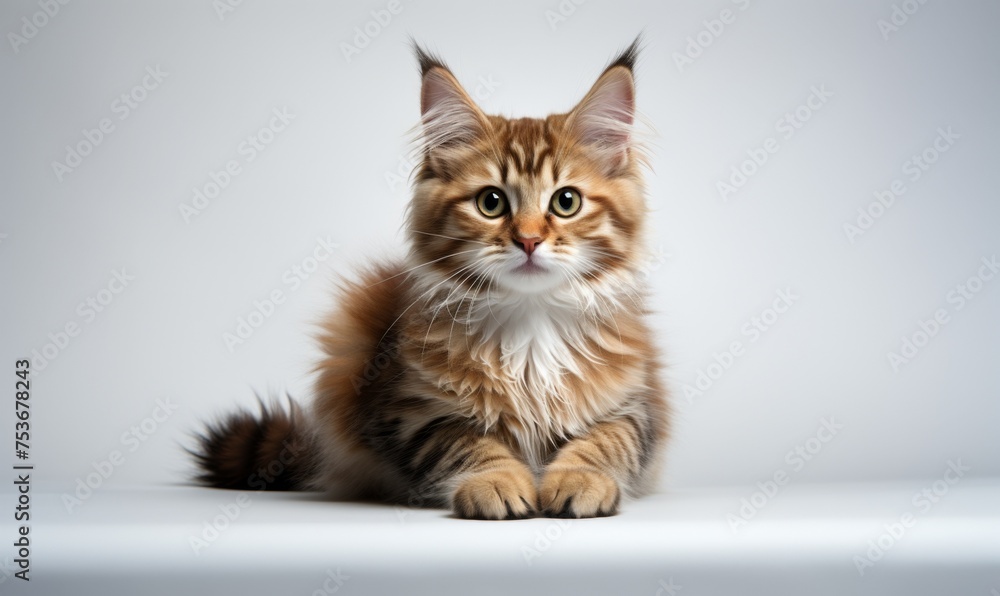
504, 368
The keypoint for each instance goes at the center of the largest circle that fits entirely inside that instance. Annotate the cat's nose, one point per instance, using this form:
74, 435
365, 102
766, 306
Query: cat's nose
529, 244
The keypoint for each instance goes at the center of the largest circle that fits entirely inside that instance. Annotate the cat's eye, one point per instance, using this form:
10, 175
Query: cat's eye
566, 202
491, 202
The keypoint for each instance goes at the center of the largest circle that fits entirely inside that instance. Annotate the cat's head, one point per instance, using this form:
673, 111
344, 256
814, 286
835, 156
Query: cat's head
528, 205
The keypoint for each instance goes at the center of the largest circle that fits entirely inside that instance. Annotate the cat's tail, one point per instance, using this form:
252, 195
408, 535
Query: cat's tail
269, 450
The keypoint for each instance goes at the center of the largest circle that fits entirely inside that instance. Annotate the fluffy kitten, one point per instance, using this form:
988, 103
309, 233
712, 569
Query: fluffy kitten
504, 369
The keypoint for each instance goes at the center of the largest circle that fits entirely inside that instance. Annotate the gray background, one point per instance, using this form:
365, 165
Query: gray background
721, 262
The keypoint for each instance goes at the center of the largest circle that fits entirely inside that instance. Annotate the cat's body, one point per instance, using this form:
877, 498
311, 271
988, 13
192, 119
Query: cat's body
505, 367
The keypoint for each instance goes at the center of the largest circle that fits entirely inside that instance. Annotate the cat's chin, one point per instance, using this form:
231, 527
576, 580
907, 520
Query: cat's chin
530, 268
531, 278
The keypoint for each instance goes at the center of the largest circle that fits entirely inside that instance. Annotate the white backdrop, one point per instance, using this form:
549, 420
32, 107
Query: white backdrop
299, 143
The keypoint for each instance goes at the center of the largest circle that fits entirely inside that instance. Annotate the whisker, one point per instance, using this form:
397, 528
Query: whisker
458, 311
625, 288
434, 287
451, 237
444, 304
454, 254
609, 316
493, 275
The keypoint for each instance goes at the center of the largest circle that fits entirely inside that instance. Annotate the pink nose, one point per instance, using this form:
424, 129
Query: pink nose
529, 244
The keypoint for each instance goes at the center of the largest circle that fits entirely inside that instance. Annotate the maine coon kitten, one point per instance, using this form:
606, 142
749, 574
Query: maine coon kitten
504, 369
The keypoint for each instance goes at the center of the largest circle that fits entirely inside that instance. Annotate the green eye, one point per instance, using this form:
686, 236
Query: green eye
566, 202
491, 202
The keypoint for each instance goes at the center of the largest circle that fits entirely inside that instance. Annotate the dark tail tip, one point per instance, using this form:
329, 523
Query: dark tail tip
267, 451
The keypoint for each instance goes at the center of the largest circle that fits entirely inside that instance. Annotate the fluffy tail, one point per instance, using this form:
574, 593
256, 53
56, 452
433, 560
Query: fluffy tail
272, 450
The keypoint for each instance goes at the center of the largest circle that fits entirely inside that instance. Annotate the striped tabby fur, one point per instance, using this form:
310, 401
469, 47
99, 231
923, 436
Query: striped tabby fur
503, 369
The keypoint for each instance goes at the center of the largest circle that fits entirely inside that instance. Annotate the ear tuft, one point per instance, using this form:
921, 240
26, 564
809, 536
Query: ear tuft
627, 57
449, 116
425, 58
604, 119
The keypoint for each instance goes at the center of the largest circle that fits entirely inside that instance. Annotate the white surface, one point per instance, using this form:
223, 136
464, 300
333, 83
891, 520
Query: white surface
802, 542
162, 337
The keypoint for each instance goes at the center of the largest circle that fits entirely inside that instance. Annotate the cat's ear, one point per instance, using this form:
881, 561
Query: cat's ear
449, 116
604, 119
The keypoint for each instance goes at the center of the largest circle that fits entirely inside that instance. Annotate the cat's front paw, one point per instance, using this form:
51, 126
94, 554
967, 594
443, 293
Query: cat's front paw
505, 493
578, 492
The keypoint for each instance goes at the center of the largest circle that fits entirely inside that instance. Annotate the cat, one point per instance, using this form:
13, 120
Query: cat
504, 368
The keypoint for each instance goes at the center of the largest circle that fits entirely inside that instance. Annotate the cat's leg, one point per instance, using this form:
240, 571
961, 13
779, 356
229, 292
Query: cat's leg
494, 485
590, 473
477, 475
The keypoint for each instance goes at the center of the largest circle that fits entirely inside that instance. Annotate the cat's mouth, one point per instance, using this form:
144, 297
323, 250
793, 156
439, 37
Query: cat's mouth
530, 267
531, 276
